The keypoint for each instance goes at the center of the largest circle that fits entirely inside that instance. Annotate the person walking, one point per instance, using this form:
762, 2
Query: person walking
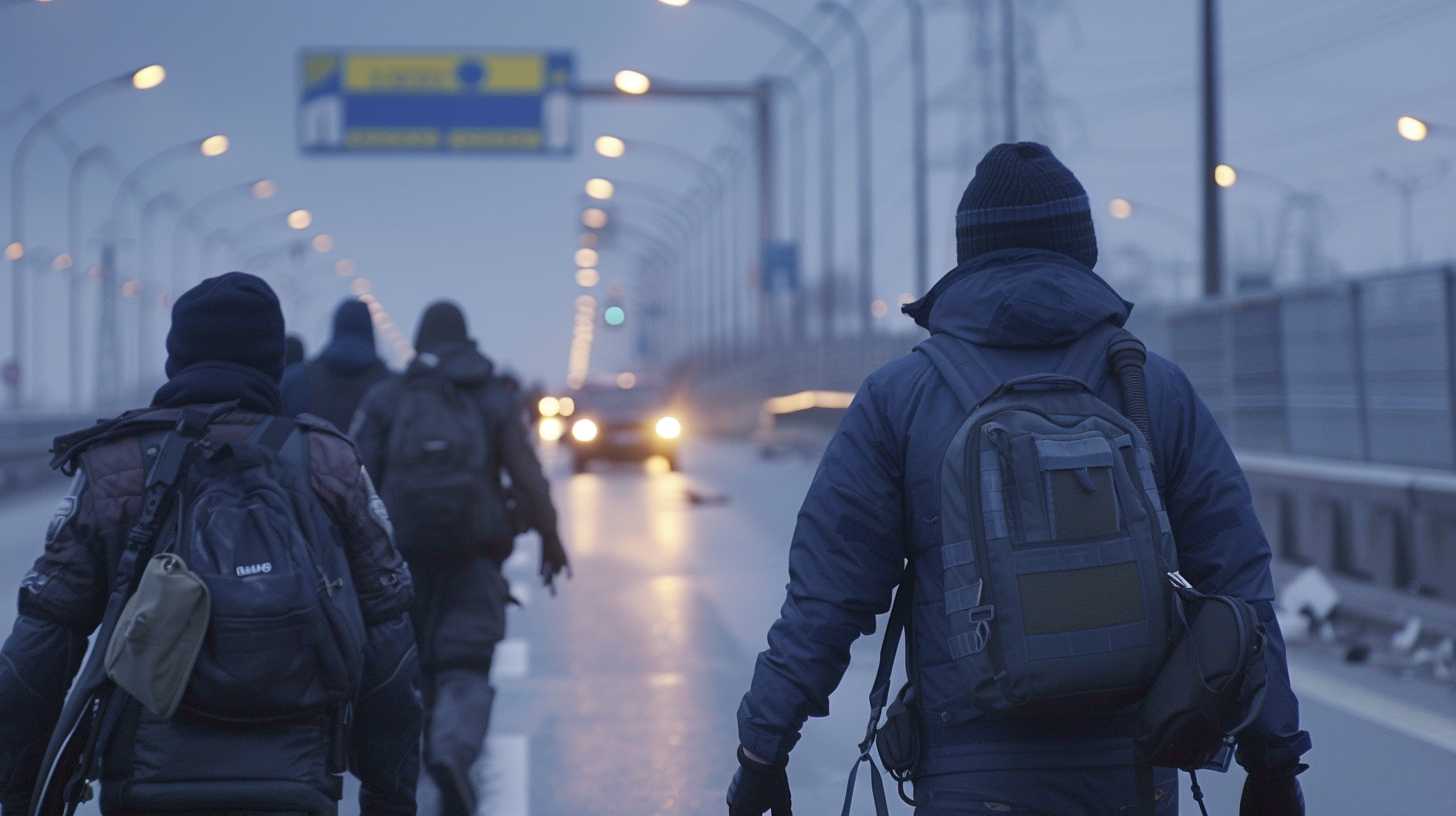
994, 475
437, 440
332, 385
248, 599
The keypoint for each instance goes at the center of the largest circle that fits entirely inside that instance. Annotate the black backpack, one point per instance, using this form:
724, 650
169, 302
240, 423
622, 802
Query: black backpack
441, 482
285, 638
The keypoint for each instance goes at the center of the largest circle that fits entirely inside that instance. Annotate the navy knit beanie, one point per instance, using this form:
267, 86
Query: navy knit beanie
233, 318
442, 324
1023, 198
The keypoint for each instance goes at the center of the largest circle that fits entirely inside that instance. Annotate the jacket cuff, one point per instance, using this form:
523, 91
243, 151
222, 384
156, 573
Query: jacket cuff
1263, 754
767, 744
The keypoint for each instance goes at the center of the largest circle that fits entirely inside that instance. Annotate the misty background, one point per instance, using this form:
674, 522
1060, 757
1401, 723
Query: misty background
1311, 92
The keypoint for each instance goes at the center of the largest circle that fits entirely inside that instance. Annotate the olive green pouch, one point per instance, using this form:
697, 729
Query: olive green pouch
159, 634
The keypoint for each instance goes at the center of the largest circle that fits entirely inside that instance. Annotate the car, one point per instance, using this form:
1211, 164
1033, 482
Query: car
623, 425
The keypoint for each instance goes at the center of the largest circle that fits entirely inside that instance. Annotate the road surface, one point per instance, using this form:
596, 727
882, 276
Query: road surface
618, 696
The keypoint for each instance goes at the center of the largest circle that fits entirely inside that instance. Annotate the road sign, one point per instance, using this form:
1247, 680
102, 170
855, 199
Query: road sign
780, 267
437, 102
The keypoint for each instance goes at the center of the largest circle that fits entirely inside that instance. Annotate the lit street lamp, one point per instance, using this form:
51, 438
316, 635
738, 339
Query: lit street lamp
1224, 175
632, 82
142, 79
600, 189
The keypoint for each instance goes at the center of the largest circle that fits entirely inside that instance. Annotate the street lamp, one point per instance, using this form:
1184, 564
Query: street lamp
806, 46
322, 243
600, 189
594, 218
1224, 175
1412, 129
256, 190
1120, 208
300, 220
206, 147
632, 82
610, 147
142, 79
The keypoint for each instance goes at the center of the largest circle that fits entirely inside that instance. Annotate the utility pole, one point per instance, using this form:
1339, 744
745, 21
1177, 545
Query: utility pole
1008, 58
920, 138
1212, 215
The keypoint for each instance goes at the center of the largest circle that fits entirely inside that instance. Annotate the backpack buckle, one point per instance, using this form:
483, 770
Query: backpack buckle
981, 617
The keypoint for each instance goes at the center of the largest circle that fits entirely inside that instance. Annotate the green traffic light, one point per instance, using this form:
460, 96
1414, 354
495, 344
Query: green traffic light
614, 315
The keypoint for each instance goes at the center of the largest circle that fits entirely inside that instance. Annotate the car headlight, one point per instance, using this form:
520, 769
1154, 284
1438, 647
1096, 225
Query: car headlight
669, 428
551, 428
584, 430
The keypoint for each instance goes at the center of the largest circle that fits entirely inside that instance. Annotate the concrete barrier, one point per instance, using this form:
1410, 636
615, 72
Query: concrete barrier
1393, 527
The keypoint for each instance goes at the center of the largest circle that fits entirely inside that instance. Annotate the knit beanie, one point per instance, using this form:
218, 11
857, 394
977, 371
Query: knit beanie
233, 318
442, 323
1023, 198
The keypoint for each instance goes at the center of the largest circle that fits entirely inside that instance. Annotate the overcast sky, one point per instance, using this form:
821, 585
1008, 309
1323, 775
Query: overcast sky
1312, 89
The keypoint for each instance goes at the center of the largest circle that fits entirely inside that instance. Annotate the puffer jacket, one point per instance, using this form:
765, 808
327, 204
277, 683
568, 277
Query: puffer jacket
875, 503
152, 765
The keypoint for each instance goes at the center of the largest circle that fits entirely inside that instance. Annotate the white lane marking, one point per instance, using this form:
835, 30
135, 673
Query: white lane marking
1378, 709
504, 777
521, 591
512, 659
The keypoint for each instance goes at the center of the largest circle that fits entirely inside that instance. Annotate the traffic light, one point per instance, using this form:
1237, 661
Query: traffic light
614, 315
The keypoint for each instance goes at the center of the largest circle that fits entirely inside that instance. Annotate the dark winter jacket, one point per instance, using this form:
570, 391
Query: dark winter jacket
875, 502
333, 384
151, 764
510, 449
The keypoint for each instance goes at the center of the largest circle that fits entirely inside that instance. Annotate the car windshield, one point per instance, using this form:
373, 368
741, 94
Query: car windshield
621, 403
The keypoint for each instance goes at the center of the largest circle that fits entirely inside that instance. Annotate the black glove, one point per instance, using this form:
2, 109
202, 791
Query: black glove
1273, 793
553, 561
758, 788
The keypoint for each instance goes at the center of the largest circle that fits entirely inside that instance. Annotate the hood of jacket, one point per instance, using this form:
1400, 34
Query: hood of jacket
460, 362
351, 349
1019, 298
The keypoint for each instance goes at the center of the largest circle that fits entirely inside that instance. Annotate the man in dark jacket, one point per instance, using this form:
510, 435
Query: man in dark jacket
460, 609
225, 345
1022, 299
333, 384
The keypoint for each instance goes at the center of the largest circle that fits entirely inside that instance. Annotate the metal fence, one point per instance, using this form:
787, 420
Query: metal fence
1360, 370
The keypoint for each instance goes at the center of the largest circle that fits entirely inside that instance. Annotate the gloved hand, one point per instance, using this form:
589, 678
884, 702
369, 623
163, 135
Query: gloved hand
1273, 793
553, 561
758, 788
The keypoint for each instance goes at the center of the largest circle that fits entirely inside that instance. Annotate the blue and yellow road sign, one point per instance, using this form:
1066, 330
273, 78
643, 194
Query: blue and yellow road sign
437, 102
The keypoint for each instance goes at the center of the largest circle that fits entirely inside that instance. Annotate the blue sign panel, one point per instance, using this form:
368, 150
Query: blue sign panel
780, 267
437, 102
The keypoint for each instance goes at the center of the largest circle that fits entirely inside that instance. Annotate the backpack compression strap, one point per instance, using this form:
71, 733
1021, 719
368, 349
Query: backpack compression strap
897, 625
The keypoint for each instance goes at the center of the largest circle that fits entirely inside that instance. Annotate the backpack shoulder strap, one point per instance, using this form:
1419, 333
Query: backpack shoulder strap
968, 375
898, 624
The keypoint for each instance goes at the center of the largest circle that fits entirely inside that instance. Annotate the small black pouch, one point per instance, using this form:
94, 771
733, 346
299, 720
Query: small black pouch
898, 740
1209, 689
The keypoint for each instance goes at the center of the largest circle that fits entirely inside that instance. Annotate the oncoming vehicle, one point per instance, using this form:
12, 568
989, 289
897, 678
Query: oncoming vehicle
623, 425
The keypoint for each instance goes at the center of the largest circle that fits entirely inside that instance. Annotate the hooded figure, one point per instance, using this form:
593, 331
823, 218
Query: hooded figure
331, 385
1023, 300
460, 614
225, 355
